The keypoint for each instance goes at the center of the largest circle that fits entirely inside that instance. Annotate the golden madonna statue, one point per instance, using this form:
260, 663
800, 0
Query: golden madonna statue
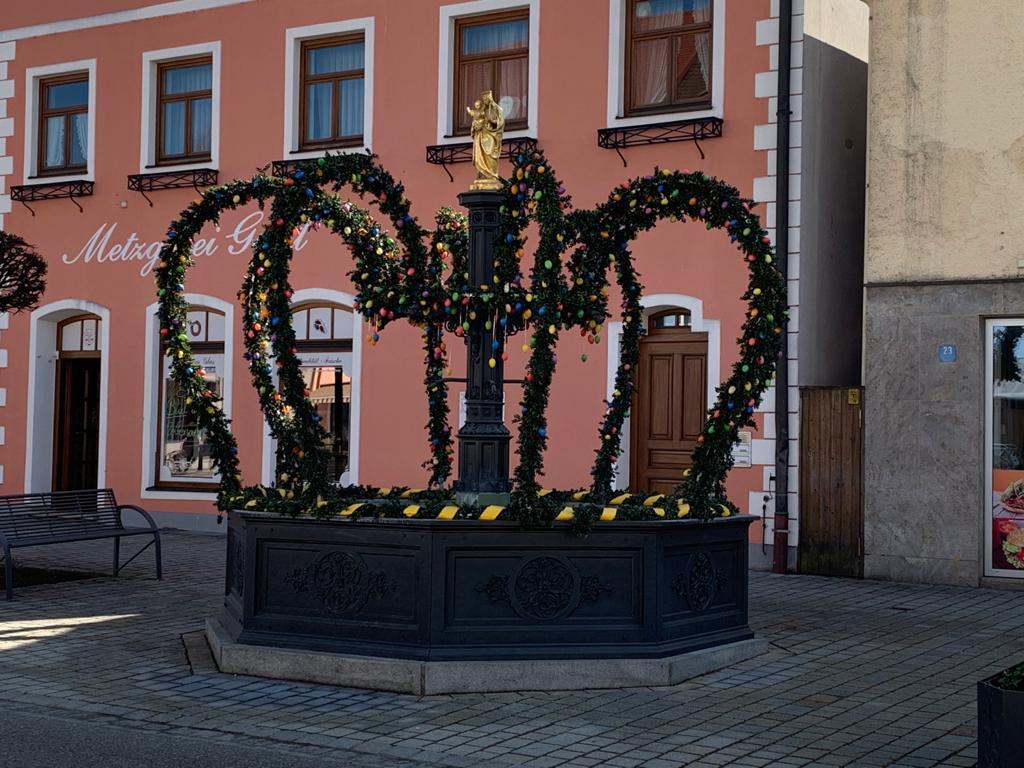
486, 129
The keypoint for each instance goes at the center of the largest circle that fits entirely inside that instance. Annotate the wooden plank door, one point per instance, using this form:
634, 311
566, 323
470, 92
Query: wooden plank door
831, 481
669, 407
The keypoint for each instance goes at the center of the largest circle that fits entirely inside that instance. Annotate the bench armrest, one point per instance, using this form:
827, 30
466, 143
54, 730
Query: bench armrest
141, 511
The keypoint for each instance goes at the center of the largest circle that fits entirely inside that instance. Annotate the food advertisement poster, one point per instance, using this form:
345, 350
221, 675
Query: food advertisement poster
1005, 531
1008, 520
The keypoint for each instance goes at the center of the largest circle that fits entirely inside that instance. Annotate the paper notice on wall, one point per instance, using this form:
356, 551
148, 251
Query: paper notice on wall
741, 450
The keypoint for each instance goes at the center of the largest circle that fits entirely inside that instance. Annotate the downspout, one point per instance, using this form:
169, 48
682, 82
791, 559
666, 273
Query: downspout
780, 543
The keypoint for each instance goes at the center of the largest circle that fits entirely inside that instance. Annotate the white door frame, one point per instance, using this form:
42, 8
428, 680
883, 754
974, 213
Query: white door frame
659, 302
42, 382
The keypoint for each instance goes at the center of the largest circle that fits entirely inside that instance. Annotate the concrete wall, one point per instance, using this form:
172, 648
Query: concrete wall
924, 442
947, 140
945, 181
834, 112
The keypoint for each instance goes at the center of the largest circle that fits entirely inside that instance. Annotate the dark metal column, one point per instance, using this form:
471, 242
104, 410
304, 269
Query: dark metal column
484, 438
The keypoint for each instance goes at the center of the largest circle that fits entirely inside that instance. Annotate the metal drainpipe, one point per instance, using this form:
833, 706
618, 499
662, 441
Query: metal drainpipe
780, 543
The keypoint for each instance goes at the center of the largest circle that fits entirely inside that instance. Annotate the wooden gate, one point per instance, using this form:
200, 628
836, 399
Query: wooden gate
832, 481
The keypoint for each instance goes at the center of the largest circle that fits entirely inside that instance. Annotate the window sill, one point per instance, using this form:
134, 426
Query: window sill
168, 494
645, 133
314, 154
183, 489
56, 178
194, 165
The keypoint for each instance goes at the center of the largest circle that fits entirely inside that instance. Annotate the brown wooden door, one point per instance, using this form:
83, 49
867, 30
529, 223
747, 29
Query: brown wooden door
669, 407
831, 481
77, 424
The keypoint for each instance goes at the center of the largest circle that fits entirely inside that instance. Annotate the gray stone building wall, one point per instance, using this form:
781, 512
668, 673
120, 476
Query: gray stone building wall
925, 427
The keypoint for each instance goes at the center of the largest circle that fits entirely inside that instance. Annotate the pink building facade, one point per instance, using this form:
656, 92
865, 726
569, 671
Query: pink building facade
120, 107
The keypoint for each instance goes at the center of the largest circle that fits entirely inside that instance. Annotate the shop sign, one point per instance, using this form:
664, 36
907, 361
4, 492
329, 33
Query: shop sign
106, 247
741, 451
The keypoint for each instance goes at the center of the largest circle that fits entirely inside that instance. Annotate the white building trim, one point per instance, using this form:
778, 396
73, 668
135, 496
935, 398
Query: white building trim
152, 372
293, 39
446, 63
7, 51
33, 75
328, 296
617, 70
763, 448
652, 304
149, 116
42, 359
156, 11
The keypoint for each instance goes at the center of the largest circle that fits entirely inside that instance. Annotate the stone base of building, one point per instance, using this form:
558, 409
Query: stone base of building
426, 678
924, 421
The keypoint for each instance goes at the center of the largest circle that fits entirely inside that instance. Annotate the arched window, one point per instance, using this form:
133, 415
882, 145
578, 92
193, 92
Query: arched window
182, 455
323, 340
79, 336
671, 319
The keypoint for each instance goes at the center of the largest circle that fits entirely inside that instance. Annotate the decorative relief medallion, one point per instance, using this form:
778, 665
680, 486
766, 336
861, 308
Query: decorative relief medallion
700, 583
341, 582
544, 588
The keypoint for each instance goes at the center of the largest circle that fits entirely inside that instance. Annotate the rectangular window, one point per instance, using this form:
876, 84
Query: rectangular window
668, 56
183, 452
1004, 519
184, 111
492, 53
63, 125
331, 92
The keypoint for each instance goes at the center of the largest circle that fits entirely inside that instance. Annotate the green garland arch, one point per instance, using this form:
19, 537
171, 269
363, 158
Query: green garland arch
404, 277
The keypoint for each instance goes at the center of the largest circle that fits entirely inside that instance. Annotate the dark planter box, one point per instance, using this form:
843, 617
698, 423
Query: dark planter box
452, 590
1000, 726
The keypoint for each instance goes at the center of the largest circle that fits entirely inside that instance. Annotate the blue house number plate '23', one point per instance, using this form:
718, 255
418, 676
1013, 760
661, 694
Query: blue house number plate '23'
947, 353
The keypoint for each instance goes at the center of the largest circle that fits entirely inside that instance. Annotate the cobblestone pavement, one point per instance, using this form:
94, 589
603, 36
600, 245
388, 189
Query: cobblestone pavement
859, 673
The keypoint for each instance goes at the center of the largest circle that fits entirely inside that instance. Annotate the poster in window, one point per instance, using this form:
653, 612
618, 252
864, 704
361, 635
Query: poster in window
1005, 528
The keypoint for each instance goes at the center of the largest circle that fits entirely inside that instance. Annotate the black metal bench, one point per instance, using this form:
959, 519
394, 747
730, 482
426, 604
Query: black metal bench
35, 519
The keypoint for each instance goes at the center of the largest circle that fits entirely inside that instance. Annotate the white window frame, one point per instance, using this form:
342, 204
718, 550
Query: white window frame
150, 70
153, 372
446, 64
989, 570
294, 37
32, 77
346, 301
617, 71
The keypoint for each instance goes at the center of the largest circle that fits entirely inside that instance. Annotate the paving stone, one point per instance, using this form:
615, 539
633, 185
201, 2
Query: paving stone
848, 680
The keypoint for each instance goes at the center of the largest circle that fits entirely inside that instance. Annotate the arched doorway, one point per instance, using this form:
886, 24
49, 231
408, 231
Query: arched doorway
67, 396
670, 400
76, 410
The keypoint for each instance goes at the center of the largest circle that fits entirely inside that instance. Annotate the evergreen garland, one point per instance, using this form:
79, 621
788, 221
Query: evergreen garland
423, 277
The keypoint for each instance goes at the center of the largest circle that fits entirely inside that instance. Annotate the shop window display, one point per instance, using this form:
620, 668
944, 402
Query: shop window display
1005, 525
184, 457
